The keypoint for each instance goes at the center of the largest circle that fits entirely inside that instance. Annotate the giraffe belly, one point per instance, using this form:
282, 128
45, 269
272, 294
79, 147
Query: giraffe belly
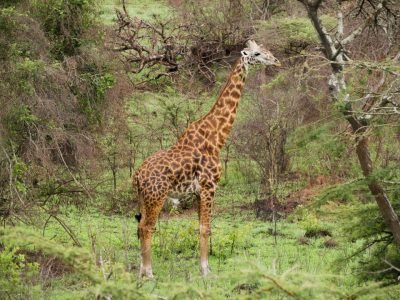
190, 186
184, 194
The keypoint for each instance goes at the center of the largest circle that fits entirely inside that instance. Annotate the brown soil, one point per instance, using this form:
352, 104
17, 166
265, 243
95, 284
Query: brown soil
265, 208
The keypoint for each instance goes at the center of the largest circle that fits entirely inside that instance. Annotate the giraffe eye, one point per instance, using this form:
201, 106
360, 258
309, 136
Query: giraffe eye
256, 54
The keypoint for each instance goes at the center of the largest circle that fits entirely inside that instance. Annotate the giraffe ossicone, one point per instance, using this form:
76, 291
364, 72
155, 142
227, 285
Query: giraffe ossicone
192, 164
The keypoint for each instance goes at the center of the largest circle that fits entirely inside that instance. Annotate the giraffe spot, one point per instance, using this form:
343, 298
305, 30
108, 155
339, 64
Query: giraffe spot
225, 93
226, 129
212, 138
235, 94
214, 170
239, 86
221, 120
220, 103
230, 102
217, 111
185, 161
213, 122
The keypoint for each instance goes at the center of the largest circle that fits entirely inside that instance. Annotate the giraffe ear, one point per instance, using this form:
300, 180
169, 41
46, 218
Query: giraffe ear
244, 53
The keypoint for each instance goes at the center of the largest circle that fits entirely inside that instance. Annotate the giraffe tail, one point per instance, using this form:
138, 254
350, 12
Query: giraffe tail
135, 185
138, 216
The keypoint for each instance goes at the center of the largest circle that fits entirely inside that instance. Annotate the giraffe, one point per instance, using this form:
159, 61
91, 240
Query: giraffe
192, 164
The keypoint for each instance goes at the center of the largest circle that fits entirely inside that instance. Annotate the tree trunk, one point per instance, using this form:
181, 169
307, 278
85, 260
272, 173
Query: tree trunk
385, 207
337, 86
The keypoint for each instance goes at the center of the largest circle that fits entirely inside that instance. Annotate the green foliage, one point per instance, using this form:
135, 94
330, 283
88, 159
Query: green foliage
65, 22
278, 80
363, 223
28, 240
96, 82
18, 122
318, 149
314, 227
15, 272
26, 71
289, 32
7, 25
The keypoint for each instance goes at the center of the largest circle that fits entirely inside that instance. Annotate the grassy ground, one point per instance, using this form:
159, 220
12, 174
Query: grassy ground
242, 247
141, 9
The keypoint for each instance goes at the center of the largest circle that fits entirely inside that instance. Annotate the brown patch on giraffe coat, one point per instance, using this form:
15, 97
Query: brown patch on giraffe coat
235, 94
213, 122
213, 138
229, 102
222, 119
226, 129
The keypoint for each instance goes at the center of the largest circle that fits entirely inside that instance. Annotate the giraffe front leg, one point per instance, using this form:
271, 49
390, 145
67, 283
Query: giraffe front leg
206, 201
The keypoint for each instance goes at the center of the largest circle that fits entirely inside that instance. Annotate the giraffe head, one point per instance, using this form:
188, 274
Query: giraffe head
255, 54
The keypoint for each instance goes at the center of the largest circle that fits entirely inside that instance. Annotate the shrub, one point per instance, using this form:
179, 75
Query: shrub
14, 272
7, 24
65, 22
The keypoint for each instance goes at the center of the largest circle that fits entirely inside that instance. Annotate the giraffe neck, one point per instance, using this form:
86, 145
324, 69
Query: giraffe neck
223, 113
210, 132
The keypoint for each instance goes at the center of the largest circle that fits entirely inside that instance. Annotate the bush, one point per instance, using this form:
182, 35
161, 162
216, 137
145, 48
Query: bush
65, 22
7, 25
15, 271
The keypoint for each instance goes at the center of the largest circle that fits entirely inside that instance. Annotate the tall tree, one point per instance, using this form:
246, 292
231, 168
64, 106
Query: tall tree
377, 13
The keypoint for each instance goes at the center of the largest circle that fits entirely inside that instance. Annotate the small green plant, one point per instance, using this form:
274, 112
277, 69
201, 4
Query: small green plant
18, 122
313, 227
94, 86
26, 72
15, 272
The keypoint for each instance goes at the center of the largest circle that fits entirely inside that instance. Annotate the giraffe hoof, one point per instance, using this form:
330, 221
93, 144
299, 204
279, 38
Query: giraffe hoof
205, 271
146, 273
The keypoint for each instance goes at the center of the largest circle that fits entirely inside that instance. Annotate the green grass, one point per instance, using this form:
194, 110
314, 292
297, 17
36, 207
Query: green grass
240, 245
141, 9
247, 260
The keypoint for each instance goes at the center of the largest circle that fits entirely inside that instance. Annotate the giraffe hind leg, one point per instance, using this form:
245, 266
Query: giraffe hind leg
149, 211
205, 205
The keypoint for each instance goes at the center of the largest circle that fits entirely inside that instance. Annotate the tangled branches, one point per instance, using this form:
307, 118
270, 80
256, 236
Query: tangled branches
191, 43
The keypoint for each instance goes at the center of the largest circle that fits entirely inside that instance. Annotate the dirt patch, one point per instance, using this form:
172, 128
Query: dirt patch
265, 208
49, 266
316, 233
271, 208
